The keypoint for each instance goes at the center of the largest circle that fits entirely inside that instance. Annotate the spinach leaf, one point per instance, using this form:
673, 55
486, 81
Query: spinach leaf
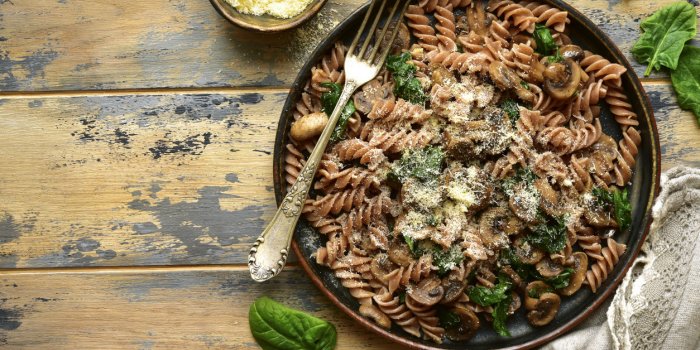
446, 260
448, 319
423, 164
561, 280
544, 40
328, 101
407, 85
603, 197
500, 313
556, 57
402, 298
550, 235
665, 33
537, 292
277, 327
490, 296
511, 107
686, 80
411, 245
623, 209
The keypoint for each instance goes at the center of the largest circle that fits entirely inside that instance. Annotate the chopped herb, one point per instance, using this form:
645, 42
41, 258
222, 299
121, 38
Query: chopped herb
423, 164
402, 297
603, 198
500, 314
445, 260
433, 220
550, 235
537, 292
522, 175
407, 85
328, 101
411, 244
524, 84
511, 107
544, 40
623, 210
556, 57
490, 296
561, 280
448, 319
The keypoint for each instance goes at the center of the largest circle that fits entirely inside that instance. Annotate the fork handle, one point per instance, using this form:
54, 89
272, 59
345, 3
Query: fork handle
269, 253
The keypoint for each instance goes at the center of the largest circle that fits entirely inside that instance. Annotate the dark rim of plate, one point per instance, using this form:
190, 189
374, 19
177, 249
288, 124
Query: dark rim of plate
648, 130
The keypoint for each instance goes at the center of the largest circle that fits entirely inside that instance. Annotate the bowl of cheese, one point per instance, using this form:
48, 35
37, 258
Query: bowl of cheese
267, 15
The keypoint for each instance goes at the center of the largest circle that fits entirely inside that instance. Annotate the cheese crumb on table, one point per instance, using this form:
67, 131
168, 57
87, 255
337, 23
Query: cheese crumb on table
276, 8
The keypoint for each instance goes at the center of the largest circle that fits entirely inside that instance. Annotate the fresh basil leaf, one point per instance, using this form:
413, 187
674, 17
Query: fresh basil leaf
544, 40
561, 280
623, 209
407, 86
665, 33
550, 235
328, 101
277, 327
686, 80
489, 296
500, 314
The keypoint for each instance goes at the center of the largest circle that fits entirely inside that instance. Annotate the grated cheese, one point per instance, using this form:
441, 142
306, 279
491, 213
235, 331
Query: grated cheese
276, 8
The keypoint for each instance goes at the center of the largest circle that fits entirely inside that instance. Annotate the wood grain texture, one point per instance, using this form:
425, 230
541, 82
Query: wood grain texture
104, 44
179, 179
154, 310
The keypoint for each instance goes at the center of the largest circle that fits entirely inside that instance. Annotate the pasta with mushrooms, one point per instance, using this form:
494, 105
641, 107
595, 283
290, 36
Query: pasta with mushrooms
472, 176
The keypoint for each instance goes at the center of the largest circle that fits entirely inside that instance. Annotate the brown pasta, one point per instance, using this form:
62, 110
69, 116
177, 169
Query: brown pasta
547, 15
599, 271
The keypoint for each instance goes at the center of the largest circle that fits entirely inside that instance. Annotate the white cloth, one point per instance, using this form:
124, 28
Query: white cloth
657, 305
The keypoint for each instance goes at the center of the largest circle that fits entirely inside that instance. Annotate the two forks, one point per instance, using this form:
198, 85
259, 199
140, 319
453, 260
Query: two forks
362, 64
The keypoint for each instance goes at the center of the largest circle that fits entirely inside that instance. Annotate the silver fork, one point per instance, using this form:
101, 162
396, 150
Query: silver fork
270, 251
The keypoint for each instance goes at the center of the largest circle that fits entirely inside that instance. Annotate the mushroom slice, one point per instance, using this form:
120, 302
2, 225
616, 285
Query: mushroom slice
428, 292
527, 253
517, 280
441, 76
381, 266
399, 254
549, 198
505, 78
580, 268
493, 224
514, 303
454, 288
574, 52
371, 92
308, 126
561, 79
372, 312
468, 324
548, 268
533, 291
545, 310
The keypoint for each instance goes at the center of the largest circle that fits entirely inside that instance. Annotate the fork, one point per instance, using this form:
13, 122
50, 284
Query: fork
269, 253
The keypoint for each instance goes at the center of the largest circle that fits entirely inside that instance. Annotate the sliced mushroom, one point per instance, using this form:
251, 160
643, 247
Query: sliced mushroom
454, 288
468, 324
580, 268
505, 78
381, 266
548, 268
527, 253
514, 303
308, 126
524, 203
533, 291
372, 312
545, 310
403, 39
549, 198
469, 186
441, 76
561, 79
428, 292
462, 24
598, 217
494, 226
371, 92
399, 254
517, 280
574, 52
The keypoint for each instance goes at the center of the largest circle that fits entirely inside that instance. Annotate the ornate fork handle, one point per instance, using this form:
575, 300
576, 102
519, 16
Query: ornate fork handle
270, 251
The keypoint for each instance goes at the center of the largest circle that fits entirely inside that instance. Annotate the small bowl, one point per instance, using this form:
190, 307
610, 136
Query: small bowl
266, 23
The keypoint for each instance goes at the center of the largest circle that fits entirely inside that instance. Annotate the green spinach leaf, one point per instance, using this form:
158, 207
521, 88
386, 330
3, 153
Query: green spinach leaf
561, 280
550, 235
623, 209
423, 164
407, 85
448, 319
446, 260
277, 327
686, 80
544, 40
490, 296
328, 101
511, 108
500, 314
665, 33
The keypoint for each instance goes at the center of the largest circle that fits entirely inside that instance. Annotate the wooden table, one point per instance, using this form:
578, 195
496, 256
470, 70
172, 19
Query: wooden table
136, 169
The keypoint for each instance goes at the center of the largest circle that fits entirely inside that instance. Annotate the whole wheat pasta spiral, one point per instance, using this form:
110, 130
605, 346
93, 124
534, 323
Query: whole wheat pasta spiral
549, 16
602, 267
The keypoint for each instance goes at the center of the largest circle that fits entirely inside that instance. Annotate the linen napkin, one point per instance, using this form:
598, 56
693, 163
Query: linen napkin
657, 305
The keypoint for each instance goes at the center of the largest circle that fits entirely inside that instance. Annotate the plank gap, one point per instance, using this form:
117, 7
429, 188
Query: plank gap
141, 92
131, 269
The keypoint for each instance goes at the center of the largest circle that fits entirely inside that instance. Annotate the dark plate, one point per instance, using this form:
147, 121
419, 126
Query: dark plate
644, 188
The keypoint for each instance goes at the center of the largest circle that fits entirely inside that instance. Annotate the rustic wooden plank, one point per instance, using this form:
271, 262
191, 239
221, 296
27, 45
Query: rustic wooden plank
161, 180
154, 310
103, 44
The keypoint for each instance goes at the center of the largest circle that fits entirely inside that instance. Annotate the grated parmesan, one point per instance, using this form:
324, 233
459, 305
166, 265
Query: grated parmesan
276, 8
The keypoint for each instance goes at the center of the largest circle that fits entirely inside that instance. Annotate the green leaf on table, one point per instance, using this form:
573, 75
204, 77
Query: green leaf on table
328, 101
277, 327
665, 33
686, 80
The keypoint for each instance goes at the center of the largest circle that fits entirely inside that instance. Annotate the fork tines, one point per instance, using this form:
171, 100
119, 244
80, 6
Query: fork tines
392, 21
